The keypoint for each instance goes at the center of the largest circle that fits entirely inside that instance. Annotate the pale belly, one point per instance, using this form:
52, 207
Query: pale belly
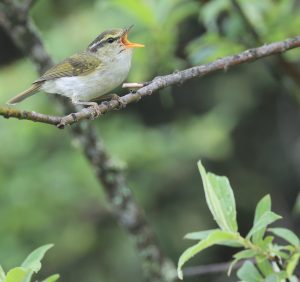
88, 87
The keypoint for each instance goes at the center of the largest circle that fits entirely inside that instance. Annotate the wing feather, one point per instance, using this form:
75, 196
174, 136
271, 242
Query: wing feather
76, 65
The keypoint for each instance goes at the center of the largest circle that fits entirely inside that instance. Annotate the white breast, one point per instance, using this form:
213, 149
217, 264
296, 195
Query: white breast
87, 87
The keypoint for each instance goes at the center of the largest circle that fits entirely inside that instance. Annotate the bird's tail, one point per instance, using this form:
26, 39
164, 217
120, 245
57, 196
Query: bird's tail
25, 94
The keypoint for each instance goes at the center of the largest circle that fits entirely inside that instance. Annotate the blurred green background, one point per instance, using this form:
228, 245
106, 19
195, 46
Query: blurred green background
243, 123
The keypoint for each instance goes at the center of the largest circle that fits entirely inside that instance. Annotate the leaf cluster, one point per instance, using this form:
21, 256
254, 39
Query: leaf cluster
265, 260
31, 265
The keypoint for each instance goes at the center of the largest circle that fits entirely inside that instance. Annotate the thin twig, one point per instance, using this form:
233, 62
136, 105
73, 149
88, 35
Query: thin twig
33, 116
209, 269
161, 82
134, 84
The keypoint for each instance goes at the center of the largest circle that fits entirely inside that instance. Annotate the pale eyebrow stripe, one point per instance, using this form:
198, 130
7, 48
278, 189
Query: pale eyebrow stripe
96, 44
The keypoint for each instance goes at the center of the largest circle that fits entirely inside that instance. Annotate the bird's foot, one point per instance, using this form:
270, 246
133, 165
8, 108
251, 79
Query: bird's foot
122, 103
93, 107
95, 110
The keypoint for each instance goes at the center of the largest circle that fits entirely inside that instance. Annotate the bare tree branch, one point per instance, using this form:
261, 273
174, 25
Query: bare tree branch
28, 4
159, 83
127, 212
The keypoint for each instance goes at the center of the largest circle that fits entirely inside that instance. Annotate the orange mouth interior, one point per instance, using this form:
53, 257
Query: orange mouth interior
129, 44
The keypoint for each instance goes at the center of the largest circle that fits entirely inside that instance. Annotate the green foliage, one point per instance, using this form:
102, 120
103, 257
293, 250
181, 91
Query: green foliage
17, 274
220, 199
2, 274
216, 237
32, 264
273, 262
248, 272
263, 206
200, 235
266, 219
286, 234
227, 32
33, 261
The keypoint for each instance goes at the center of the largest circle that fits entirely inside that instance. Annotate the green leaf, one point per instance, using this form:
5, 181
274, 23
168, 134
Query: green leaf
293, 279
220, 199
51, 278
33, 261
282, 255
266, 243
272, 278
292, 263
200, 235
277, 277
239, 256
263, 206
17, 274
2, 274
266, 219
287, 235
233, 244
214, 238
249, 273
244, 254
264, 266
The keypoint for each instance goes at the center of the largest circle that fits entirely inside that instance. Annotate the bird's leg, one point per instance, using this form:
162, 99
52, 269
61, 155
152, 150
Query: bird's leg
93, 105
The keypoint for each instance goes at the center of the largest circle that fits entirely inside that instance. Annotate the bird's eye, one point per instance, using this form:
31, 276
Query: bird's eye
110, 40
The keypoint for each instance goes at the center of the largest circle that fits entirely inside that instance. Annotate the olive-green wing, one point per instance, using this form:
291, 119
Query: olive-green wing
76, 65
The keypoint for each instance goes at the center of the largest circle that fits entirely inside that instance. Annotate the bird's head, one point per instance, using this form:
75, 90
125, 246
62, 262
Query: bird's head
113, 42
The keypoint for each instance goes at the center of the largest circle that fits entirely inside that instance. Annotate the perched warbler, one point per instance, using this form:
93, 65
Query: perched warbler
90, 74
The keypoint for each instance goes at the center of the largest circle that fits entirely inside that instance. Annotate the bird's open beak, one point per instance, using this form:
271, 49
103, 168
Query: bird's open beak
127, 43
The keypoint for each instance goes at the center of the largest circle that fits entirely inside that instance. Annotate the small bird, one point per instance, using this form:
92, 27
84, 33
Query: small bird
90, 74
